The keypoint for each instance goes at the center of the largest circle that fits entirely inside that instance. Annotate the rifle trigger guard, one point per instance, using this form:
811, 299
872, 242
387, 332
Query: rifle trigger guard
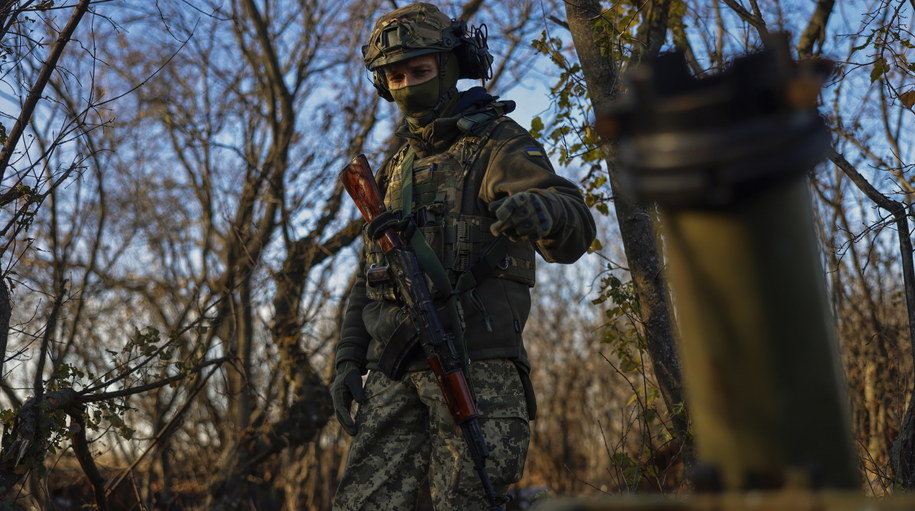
375, 229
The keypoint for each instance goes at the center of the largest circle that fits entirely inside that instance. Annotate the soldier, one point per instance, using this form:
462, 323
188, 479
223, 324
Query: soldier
466, 177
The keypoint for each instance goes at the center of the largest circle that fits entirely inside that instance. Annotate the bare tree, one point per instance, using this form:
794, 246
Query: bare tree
37, 46
207, 229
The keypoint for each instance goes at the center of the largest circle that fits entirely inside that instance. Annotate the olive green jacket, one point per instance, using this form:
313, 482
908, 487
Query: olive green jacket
510, 161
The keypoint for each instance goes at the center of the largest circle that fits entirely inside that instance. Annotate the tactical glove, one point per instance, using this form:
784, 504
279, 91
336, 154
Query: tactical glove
346, 387
522, 216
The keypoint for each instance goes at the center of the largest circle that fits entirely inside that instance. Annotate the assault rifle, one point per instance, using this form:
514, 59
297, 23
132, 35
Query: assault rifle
437, 343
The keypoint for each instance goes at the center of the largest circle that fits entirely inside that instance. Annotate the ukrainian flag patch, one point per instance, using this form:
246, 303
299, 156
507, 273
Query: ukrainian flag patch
533, 151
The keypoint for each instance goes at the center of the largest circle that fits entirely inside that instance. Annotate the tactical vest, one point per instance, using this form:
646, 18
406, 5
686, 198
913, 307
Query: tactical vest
446, 216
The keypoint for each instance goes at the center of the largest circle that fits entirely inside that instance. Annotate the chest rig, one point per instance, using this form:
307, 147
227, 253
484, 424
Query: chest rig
437, 196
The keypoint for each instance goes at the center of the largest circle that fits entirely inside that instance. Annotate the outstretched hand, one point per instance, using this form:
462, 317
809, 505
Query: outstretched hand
522, 216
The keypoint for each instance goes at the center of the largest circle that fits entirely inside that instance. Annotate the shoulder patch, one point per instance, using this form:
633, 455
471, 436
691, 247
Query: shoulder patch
533, 151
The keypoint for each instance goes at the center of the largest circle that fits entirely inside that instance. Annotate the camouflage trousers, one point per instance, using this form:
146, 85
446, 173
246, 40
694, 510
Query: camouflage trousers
407, 435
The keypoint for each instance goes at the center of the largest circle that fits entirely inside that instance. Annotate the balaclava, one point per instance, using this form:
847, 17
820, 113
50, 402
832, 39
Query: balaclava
431, 99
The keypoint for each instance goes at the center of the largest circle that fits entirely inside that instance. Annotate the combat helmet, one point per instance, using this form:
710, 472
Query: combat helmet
421, 29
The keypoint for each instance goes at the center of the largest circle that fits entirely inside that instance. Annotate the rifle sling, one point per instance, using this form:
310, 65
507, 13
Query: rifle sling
489, 260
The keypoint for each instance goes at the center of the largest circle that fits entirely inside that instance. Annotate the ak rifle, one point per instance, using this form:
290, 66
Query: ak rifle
437, 342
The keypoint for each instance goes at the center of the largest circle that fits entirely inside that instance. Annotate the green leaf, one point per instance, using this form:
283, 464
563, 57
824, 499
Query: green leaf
629, 365
650, 415
536, 127
880, 69
866, 42
622, 459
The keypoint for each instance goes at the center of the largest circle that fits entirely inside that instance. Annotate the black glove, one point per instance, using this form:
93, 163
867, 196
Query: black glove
346, 387
522, 216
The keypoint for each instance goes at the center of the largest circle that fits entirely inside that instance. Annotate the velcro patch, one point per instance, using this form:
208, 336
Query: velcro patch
533, 151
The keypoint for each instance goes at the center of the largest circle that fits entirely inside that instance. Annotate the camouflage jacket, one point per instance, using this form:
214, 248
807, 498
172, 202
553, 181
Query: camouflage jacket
495, 312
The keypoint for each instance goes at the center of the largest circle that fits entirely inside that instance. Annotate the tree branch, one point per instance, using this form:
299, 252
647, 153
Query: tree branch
37, 386
815, 32
470, 9
8, 15
164, 432
898, 210
104, 396
756, 21
31, 101
80, 446
652, 31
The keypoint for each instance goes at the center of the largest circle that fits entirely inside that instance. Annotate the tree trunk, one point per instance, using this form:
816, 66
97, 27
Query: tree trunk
6, 312
635, 221
25, 445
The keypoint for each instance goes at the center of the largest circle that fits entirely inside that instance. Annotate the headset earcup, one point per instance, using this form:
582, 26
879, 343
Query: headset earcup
381, 86
473, 54
469, 67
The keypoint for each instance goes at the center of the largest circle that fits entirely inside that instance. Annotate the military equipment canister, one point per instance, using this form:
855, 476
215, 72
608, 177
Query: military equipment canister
725, 157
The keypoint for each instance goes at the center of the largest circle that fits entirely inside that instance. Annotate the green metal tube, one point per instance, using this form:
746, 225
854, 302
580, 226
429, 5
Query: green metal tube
725, 158
759, 349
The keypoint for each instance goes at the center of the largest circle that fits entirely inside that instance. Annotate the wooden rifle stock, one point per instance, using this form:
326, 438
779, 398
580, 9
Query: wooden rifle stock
437, 343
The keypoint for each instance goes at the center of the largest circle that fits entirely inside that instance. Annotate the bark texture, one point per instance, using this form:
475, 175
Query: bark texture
635, 220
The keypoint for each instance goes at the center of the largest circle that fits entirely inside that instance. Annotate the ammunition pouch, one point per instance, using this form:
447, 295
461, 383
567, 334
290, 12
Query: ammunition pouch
469, 238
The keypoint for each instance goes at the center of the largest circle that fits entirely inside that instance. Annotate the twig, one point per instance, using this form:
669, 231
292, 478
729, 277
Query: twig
561, 22
104, 396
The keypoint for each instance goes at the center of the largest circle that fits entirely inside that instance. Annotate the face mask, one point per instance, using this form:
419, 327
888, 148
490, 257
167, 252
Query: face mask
417, 100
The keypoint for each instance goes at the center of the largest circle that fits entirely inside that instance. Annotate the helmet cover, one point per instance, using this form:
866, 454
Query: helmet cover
421, 29
408, 32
